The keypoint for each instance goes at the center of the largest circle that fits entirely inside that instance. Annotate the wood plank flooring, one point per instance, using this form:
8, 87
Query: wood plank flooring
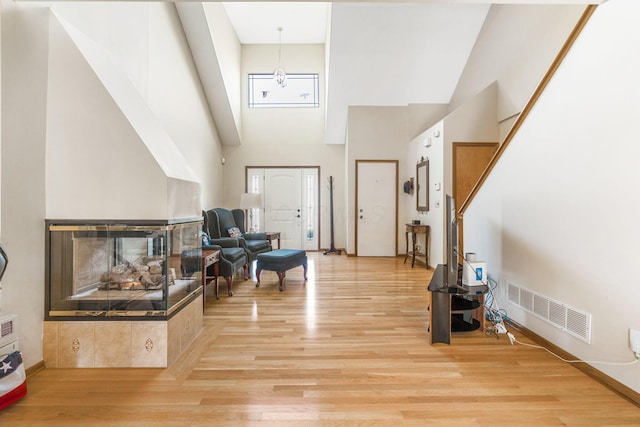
348, 348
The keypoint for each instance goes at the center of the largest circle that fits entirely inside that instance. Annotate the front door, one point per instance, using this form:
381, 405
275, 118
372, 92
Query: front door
376, 207
283, 205
291, 204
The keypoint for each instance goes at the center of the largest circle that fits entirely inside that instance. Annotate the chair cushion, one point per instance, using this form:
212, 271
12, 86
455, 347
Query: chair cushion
258, 245
206, 241
234, 232
233, 254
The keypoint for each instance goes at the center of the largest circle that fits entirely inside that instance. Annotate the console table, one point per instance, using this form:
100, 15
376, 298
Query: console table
452, 307
413, 229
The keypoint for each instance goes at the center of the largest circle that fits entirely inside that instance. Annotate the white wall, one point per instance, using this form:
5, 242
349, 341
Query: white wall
376, 133
229, 55
515, 47
146, 42
474, 121
286, 136
558, 214
217, 53
177, 99
434, 218
156, 67
24, 89
372, 41
91, 105
423, 116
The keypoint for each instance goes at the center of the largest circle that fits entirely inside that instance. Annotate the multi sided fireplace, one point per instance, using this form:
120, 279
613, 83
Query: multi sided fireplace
120, 268
121, 293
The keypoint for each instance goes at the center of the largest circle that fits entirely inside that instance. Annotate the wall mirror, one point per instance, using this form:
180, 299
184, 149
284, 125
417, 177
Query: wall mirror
422, 186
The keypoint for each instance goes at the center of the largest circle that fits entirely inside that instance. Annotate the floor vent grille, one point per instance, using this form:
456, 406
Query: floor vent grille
570, 320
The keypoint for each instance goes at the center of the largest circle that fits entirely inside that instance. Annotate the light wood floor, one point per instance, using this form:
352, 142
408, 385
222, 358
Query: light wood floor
349, 348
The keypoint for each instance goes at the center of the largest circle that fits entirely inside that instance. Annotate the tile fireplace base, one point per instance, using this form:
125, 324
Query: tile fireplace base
121, 343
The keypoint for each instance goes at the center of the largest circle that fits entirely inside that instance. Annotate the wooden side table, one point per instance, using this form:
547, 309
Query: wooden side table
271, 235
209, 257
414, 229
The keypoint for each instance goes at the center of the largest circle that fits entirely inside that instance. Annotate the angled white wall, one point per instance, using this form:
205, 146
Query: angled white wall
395, 55
516, 46
148, 45
218, 55
103, 138
558, 214
474, 121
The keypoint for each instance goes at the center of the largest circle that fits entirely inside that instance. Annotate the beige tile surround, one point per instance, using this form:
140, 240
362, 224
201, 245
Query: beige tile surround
123, 343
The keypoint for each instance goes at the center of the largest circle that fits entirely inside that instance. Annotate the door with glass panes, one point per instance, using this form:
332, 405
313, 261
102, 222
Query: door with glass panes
291, 204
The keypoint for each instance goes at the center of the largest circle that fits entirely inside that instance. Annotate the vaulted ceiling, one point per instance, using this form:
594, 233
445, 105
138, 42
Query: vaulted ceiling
381, 53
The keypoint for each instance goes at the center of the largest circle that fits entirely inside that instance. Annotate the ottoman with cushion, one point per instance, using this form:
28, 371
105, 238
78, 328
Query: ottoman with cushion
280, 261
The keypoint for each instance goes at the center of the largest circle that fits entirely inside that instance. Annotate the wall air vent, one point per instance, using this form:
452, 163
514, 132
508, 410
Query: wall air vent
570, 320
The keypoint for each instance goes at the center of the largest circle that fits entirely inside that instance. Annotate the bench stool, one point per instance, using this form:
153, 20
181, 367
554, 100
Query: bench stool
280, 261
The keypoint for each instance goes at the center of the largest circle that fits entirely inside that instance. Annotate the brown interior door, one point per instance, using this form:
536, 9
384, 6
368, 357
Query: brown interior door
469, 161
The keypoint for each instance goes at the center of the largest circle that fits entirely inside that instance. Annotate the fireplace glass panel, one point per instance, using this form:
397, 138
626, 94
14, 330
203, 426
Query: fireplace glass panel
135, 269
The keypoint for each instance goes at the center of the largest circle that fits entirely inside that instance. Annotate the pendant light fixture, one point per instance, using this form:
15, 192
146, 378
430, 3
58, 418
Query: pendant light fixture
279, 75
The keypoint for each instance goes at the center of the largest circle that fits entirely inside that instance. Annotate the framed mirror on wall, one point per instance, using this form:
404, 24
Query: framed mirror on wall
422, 186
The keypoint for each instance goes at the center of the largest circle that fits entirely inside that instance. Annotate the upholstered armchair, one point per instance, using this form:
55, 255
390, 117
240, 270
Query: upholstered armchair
233, 256
221, 222
231, 260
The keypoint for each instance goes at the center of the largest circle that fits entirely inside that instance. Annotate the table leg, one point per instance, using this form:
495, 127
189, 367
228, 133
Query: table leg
426, 249
413, 246
204, 284
258, 271
406, 248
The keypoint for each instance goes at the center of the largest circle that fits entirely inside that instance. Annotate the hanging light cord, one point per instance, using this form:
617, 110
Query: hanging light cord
280, 47
280, 75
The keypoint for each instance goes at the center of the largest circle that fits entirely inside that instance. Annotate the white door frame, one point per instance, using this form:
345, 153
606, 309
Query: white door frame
394, 196
306, 171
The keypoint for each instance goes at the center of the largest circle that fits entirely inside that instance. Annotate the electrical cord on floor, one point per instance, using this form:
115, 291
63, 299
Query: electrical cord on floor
497, 316
493, 312
515, 340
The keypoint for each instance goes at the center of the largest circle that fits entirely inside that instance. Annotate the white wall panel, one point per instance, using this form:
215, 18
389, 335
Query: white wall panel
558, 215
